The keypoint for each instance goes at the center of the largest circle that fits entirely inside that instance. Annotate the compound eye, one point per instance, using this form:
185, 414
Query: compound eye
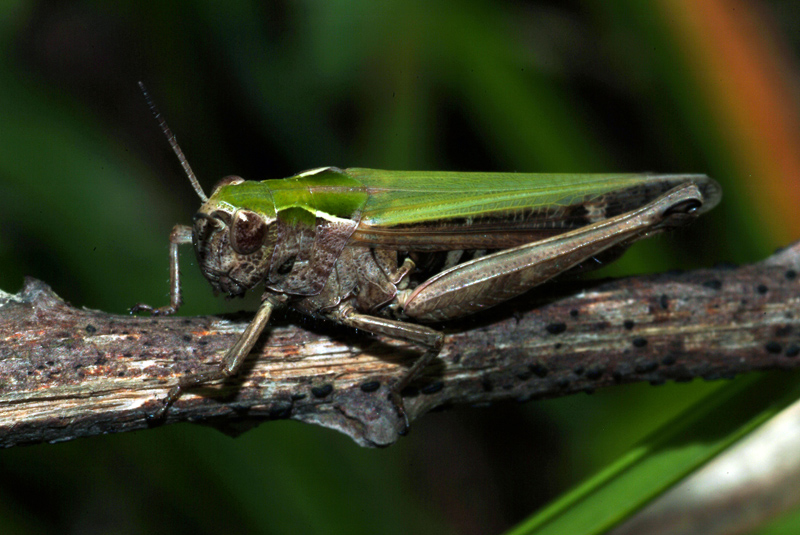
247, 231
231, 180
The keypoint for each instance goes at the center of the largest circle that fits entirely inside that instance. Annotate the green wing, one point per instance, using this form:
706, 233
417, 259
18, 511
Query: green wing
445, 209
398, 197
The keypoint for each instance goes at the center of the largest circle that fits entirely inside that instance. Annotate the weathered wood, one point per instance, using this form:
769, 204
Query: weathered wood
68, 372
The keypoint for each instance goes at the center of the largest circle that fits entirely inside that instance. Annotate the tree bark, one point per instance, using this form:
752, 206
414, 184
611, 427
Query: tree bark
67, 372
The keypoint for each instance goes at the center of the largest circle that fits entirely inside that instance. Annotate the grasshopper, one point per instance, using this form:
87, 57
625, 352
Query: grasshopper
387, 251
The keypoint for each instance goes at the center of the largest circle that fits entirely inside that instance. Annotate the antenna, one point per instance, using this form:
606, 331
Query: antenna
173, 143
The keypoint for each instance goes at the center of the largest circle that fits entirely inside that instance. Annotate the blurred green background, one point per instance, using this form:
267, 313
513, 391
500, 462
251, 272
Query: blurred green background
89, 191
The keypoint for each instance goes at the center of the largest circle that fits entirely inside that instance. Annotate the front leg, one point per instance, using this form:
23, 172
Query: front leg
233, 359
180, 235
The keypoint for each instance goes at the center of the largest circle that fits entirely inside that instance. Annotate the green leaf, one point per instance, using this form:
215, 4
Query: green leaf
665, 457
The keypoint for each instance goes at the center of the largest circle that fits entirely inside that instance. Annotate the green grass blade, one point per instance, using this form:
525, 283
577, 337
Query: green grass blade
665, 457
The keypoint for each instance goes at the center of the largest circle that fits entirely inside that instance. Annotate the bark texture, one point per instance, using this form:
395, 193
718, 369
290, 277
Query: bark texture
67, 372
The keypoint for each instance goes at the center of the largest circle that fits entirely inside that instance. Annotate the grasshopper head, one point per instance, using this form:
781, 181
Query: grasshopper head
233, 245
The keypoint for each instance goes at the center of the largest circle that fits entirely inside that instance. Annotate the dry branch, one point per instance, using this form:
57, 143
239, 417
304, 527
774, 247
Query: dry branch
68, 372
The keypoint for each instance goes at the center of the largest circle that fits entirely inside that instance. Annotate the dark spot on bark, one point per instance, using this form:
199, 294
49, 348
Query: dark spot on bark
578, 370
298, 396
121, 374
487, 385
187, 337
91, 329
646, 366
639, 342
594, 372
790, 274
281, 410
762, 289
664, 301
524, 375
539, 370
628, 324
793, 350
456, 358
783, 331
669, 360
370, 386
773, 347
562, 382
556, 328
559, 345
573, 313
433, 388
322, 391
714, 284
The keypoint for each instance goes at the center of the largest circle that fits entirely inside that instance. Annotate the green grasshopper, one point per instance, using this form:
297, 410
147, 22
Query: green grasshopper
380, 251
